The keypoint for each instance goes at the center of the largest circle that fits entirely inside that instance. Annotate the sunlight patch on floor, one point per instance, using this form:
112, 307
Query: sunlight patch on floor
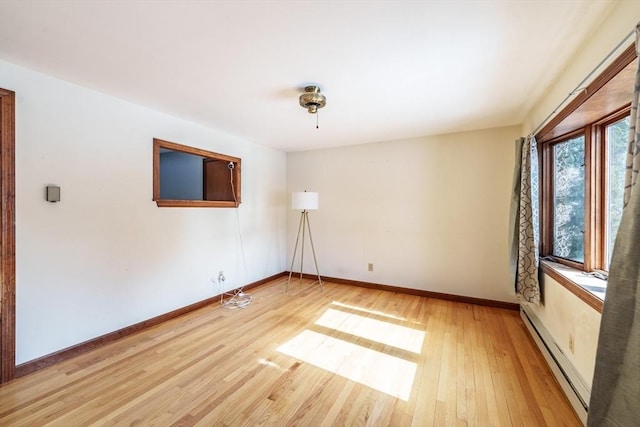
388, 374
368, 311
375, 330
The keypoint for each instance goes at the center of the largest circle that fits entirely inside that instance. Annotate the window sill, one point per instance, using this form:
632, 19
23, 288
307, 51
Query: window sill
589, 289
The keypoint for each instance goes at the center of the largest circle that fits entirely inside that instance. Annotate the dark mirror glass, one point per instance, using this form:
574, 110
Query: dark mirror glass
181, 175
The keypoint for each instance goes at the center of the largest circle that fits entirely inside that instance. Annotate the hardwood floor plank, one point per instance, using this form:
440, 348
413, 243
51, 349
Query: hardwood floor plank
341, 356
425, 410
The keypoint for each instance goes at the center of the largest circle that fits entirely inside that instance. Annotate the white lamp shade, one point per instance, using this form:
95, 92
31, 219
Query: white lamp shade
305, 200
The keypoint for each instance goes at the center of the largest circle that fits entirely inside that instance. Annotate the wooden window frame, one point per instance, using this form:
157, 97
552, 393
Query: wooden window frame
595, 192
602, 184
589, 113
547, 194
159, 144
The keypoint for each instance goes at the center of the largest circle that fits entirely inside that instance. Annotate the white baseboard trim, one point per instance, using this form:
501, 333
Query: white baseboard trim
570, 381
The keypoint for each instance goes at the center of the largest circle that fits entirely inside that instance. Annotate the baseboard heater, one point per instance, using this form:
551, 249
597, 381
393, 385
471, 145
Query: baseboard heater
569, 379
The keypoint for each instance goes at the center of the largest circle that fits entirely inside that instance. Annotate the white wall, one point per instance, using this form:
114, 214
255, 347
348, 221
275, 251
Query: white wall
430, 213
565, 315
603, 38
106, 257
562, 312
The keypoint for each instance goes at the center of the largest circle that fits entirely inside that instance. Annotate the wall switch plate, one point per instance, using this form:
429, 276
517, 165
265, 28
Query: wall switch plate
53, 193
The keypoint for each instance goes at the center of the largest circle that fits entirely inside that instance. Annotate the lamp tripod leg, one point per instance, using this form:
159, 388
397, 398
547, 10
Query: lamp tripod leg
305, 219
295, 249
313, 250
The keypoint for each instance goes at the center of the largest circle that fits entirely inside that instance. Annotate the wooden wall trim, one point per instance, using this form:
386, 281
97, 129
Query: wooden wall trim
169, 203
7, 236
78, 349
417, 292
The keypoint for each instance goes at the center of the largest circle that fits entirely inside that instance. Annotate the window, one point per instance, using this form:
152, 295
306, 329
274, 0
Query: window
585, 203
190, 177
582, 167
568, 199
616, 149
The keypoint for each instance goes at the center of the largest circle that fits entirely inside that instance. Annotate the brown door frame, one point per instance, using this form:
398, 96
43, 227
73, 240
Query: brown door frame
7, 237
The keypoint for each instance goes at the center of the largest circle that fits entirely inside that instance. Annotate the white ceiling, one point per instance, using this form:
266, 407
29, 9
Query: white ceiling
390, 69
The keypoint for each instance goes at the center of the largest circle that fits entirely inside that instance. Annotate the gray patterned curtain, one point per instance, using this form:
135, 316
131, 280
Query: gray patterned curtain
615, 395
524, 221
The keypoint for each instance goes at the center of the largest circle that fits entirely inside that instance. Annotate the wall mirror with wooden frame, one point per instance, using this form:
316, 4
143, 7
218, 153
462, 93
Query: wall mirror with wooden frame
185, 176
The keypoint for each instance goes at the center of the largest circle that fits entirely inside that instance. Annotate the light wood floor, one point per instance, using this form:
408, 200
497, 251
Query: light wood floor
345, 356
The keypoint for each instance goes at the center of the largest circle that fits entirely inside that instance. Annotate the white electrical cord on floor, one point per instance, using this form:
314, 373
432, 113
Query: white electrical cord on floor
237, 298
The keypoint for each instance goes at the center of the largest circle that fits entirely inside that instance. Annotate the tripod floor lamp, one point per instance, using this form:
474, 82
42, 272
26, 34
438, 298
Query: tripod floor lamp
306, 201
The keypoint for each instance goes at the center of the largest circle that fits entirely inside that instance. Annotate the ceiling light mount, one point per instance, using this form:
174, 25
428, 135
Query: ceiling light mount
312, 99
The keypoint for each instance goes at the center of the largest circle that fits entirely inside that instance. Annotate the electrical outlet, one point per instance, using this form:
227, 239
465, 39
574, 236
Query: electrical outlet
370, 267
571, 342
221, 277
